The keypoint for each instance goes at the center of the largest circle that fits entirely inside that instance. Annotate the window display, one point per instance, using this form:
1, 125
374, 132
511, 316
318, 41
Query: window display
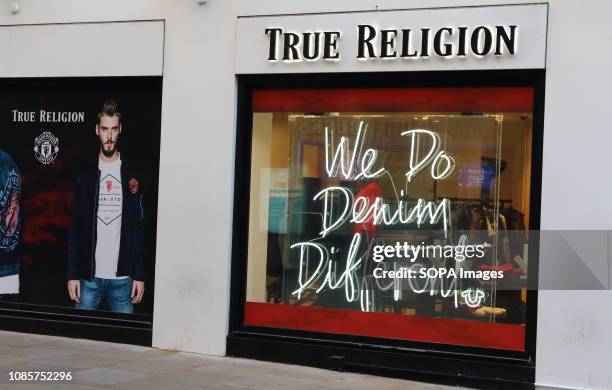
395, 213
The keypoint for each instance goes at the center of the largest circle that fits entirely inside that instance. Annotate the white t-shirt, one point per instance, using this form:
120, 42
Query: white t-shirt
110, 202
9, 284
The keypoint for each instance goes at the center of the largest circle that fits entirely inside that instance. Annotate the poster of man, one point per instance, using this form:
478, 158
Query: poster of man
88, 156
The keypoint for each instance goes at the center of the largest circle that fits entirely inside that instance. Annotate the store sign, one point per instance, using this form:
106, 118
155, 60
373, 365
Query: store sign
496, 37
393, 43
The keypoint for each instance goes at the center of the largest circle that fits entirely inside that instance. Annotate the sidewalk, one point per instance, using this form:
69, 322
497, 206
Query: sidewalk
99, 365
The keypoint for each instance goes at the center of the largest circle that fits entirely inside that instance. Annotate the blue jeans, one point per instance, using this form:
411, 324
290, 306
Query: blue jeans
9, 270
116, 292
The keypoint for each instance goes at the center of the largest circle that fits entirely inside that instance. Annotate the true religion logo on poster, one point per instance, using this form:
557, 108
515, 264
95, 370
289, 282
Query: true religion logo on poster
46, 147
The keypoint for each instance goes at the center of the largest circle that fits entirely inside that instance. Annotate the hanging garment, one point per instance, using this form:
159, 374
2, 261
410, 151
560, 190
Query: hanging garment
371, 192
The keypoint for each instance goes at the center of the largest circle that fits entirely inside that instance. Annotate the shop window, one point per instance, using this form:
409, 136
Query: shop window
395, 213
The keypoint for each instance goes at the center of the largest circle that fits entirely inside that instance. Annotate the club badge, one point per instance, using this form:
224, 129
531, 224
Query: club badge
46, 147
133, 183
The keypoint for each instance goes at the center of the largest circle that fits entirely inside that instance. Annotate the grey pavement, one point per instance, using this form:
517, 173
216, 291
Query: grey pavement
100, 365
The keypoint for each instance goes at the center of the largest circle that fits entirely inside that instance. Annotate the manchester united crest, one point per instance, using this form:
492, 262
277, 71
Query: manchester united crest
133, 183
46, 147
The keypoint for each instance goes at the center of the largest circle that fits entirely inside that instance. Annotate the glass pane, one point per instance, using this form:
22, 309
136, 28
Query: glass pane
405, 221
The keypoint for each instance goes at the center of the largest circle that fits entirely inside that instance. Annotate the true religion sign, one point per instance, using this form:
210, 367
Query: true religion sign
393, 43
471, 38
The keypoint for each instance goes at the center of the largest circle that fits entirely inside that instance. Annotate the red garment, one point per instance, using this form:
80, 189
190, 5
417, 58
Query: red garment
371, 192
509, 271
487, 267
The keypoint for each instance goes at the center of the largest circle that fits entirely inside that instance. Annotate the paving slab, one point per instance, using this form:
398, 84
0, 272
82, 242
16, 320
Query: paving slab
100, 365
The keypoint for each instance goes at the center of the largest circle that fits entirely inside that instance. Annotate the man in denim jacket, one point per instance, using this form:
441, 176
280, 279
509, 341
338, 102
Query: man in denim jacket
106, 243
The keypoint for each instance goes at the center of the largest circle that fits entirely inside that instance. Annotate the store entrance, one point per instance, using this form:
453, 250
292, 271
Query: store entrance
392, 216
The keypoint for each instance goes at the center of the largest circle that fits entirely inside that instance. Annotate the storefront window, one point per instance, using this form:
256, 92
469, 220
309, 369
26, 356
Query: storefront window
396, 213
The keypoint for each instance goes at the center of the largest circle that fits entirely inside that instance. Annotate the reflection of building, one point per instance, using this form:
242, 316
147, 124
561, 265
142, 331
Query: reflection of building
198, 295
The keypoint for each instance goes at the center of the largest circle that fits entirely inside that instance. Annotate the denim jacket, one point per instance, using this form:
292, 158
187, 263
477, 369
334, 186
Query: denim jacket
83, 230
10, 216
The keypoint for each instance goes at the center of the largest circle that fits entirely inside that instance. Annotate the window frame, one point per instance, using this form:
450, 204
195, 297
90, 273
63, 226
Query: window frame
440, 361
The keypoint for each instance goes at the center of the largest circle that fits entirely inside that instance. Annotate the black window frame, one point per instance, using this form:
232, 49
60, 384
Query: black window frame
439, 363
